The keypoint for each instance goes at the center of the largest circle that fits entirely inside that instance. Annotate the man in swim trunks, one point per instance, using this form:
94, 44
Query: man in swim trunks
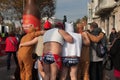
53, 40
71, 54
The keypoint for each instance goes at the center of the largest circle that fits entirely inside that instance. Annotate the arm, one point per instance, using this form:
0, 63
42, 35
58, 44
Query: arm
38, 33
32, 42
95, 38
66, 36
86, 39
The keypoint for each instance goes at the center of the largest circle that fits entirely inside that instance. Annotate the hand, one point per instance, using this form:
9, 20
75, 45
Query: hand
20, 45
42, 32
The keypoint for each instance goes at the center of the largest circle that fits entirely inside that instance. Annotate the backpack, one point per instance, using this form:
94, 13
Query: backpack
101, 47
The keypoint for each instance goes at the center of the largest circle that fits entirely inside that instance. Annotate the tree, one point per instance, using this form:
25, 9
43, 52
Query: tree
47, 7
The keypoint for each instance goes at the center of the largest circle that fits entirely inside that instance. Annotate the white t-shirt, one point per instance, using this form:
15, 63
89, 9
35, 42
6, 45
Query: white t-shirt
72, 49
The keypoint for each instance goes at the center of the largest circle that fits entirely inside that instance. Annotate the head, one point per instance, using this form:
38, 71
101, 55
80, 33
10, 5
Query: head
11, 33
93, 25
84, 22
113, 30
59, 25
79, 26
29, 20
29, 28
96, 31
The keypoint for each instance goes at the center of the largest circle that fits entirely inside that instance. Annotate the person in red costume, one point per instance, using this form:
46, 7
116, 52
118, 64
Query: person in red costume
38, 41
31, 15
31, 26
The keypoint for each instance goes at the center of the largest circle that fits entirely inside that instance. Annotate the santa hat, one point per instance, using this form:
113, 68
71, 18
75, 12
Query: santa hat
47, 25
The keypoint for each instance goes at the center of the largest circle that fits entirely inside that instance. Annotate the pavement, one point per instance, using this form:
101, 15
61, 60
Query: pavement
108, 75
4, 73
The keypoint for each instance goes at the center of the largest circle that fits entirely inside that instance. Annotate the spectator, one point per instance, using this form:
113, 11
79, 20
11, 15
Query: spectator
96, 69
11, 48
113, 35
115, 55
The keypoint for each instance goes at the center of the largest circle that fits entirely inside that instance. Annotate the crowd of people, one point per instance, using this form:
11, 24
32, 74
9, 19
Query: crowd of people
62, 52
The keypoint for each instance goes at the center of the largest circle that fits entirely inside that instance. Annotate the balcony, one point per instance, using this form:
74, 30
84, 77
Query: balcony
104, 6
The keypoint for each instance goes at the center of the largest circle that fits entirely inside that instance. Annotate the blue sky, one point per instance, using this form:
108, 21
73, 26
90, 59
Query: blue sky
73, 9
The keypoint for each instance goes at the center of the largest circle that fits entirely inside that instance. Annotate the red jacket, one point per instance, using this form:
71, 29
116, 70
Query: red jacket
10, 47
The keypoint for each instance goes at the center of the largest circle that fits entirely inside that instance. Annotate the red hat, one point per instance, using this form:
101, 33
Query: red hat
59, 25
47, 25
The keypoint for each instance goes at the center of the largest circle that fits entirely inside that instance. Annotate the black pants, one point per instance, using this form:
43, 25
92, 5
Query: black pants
9, 59
17, 73
96, 70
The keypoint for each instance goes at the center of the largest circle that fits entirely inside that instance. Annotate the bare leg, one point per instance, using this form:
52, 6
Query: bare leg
73, 72
86, 70
47, 71
54, 71
40, 69
64, 73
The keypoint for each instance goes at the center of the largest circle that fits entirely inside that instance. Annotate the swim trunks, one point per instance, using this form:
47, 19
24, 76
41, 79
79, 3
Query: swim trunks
70, 61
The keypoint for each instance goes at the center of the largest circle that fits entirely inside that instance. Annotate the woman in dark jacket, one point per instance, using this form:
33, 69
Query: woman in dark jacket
115, 54
113, 35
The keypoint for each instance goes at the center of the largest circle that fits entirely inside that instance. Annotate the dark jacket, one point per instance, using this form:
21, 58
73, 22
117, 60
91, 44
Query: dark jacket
112, 37
115, 54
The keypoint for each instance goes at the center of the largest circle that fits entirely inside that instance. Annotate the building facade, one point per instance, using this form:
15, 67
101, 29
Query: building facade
106, 13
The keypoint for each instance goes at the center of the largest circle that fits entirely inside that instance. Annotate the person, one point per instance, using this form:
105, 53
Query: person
96, 69
83, 70
38, 49
17, 70
113, 35
115, 55
25, 53
53, 41
71, 53
11, 48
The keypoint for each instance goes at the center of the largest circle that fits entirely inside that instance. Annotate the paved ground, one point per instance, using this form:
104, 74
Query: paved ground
4, 73
109, 75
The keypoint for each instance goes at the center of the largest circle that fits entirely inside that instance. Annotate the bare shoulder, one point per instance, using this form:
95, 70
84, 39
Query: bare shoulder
84, 33
62, 31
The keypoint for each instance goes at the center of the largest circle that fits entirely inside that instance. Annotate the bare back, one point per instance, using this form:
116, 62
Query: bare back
53, 47
54, 39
